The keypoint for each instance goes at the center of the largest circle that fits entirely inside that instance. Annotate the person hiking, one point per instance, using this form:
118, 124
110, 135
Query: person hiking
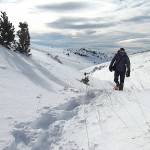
120, 64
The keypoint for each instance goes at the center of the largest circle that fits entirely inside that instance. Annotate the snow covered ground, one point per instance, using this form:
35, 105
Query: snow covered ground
44, 106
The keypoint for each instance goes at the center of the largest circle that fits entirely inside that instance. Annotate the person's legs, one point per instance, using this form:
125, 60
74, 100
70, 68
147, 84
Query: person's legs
116, 77
122, 77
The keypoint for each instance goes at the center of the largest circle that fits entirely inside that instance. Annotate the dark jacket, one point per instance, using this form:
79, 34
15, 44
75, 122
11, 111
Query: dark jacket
120, 62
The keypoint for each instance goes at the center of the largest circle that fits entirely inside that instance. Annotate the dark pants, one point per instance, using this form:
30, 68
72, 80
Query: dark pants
120, 81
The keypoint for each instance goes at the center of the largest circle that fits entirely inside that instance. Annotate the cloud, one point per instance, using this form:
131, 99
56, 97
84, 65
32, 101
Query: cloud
138, 4
138, 19
90, 32
11, 1
138, 43
67, 6
136, 40
112, 40
4, 1
48, 36
79, 23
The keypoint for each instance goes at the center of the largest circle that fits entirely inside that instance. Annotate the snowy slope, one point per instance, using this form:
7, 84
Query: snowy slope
28, 84
90, 57
45, 107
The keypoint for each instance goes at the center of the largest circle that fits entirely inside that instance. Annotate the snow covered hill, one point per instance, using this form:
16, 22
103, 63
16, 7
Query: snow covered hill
29, 83
76, 57
44, 106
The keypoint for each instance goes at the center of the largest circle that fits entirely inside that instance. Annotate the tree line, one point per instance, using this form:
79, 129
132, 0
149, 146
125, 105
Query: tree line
7, 35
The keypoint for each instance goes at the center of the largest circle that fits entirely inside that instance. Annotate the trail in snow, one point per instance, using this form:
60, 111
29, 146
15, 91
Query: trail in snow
105, 114
47, 130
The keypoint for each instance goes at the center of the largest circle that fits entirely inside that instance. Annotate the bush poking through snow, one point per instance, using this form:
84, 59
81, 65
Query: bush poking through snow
85, 80
55, 58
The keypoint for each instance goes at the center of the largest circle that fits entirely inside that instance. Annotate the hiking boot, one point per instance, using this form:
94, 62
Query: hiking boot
116, 87
121, 86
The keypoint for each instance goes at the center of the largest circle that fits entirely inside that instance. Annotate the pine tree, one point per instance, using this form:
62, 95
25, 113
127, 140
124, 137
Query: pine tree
6, 31
24, 39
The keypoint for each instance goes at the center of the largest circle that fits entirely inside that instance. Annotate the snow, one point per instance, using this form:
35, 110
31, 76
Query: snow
43, 104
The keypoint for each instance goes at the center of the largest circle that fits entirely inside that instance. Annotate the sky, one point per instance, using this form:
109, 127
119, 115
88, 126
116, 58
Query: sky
98, 24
